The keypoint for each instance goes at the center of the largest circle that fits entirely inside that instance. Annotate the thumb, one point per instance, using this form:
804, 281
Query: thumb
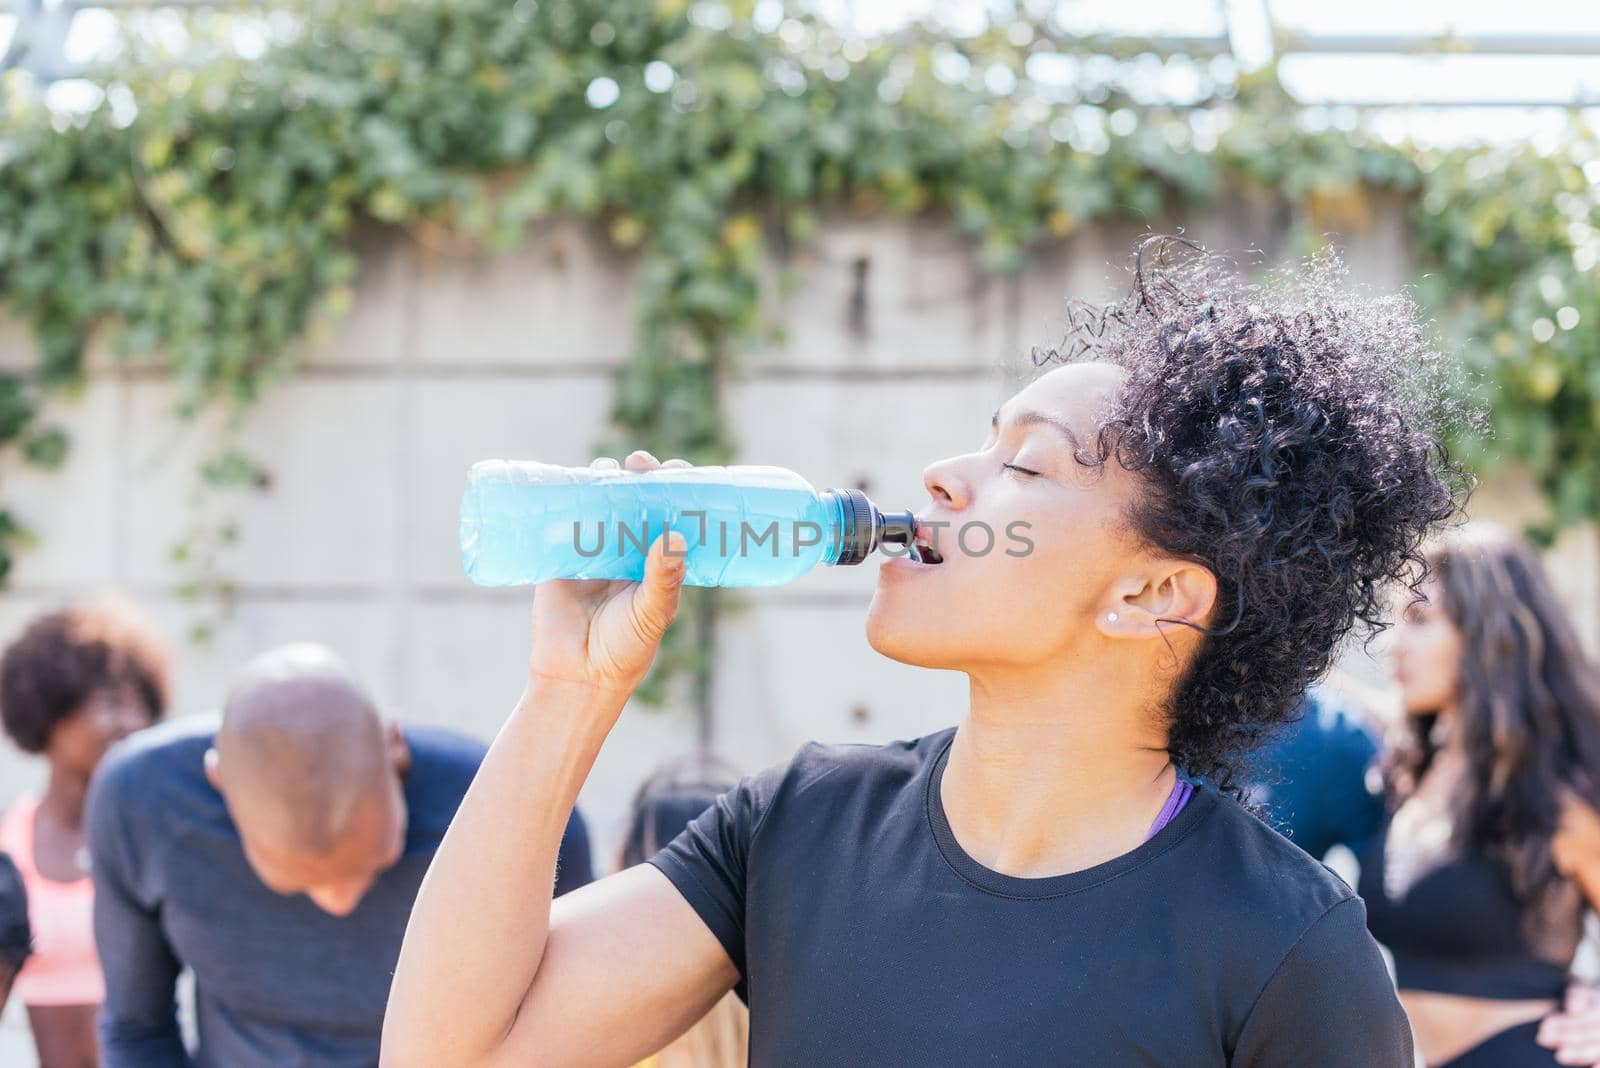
655, 600
1582, 997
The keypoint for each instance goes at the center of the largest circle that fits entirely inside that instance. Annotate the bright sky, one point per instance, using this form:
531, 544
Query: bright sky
1317, 16
1345, 78
1322, 78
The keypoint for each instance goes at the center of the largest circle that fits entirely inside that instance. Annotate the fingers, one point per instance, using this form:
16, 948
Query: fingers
1574, 1037
637, 460
1581, 1050
655, 600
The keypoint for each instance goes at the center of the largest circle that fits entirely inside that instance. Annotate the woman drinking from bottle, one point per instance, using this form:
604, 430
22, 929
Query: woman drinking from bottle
1216, 494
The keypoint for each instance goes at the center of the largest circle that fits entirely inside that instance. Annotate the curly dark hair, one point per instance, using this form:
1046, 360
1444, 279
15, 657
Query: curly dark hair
63, 658
1283, 429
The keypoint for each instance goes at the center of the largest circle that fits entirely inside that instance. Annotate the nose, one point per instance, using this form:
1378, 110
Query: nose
1397, 654
945, 484
337, 899
1397, 641
133, 717
117, 721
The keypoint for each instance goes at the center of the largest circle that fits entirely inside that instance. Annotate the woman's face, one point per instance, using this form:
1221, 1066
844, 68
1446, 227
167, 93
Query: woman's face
1032, 541
108, 716
1425, 654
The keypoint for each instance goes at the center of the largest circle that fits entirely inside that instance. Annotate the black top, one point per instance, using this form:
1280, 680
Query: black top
278, 981
16, 936
864, 934
1458, 928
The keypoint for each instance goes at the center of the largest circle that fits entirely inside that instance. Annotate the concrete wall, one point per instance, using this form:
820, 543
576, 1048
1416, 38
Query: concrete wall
449, 357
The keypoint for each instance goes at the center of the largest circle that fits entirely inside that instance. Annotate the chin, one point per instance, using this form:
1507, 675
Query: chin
1416, 701
911, 638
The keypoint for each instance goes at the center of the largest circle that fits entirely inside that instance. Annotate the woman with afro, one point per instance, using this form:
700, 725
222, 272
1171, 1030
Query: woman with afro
74, 683
1148, 555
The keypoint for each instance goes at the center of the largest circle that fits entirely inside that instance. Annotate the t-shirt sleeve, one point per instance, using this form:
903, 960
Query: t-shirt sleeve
138, 1024
709, 861
1330, 1002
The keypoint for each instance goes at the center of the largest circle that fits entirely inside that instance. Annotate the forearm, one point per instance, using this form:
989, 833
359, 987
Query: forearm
477, 933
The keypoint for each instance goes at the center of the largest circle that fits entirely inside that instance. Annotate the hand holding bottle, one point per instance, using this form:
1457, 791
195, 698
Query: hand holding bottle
603, 634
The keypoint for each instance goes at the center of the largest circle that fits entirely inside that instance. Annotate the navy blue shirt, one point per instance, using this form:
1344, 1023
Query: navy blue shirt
277, 981
1316, 777
864, 934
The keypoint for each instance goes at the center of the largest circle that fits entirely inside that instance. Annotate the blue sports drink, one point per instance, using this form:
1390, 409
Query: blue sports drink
524, 522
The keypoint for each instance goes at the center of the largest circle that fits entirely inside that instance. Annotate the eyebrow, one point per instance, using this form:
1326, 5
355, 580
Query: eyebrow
1029, 417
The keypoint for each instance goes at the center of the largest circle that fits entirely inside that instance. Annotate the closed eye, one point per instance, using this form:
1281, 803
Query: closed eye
1019, 470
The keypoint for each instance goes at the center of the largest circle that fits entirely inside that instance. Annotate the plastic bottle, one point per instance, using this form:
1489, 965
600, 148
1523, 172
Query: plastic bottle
524, 522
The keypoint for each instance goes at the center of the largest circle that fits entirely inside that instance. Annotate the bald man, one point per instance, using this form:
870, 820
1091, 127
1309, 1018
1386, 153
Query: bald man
275, 853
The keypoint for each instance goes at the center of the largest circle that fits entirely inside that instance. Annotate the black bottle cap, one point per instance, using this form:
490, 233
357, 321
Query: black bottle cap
864, 528
856, 526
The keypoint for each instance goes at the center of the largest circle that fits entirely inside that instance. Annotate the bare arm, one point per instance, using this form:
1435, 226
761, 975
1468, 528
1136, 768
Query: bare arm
493, 973
1575, 847
64, 1034
1574, 1031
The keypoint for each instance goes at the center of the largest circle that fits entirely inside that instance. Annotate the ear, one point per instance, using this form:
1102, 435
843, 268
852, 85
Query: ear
213, 763
1170, 590
399, 749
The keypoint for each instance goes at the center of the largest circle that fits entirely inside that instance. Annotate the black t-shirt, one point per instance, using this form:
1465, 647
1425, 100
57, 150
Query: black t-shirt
865, 935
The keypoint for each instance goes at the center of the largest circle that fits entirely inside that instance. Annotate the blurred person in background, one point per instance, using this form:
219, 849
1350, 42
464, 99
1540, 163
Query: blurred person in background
1318, 778
665, 804
72, 684
1321, 783
274, 852
16, 935
1478, 878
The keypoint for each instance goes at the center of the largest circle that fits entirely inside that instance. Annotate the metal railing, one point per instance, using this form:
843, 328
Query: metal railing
38, 46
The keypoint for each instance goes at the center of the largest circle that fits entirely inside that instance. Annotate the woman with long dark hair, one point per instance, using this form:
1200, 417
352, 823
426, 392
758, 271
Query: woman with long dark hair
1213, 495
1479, 878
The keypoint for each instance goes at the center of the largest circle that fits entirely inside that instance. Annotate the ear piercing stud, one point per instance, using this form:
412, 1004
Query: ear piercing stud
1111, 617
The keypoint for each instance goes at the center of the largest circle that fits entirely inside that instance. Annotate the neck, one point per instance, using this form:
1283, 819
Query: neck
1445, 734
64, 796
1049, 776
1450, 757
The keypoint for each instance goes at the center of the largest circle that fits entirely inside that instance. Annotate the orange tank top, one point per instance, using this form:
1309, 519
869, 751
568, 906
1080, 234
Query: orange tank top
64, 968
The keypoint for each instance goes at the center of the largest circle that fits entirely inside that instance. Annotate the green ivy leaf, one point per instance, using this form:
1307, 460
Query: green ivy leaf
234, 470
16, 406
46, 448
